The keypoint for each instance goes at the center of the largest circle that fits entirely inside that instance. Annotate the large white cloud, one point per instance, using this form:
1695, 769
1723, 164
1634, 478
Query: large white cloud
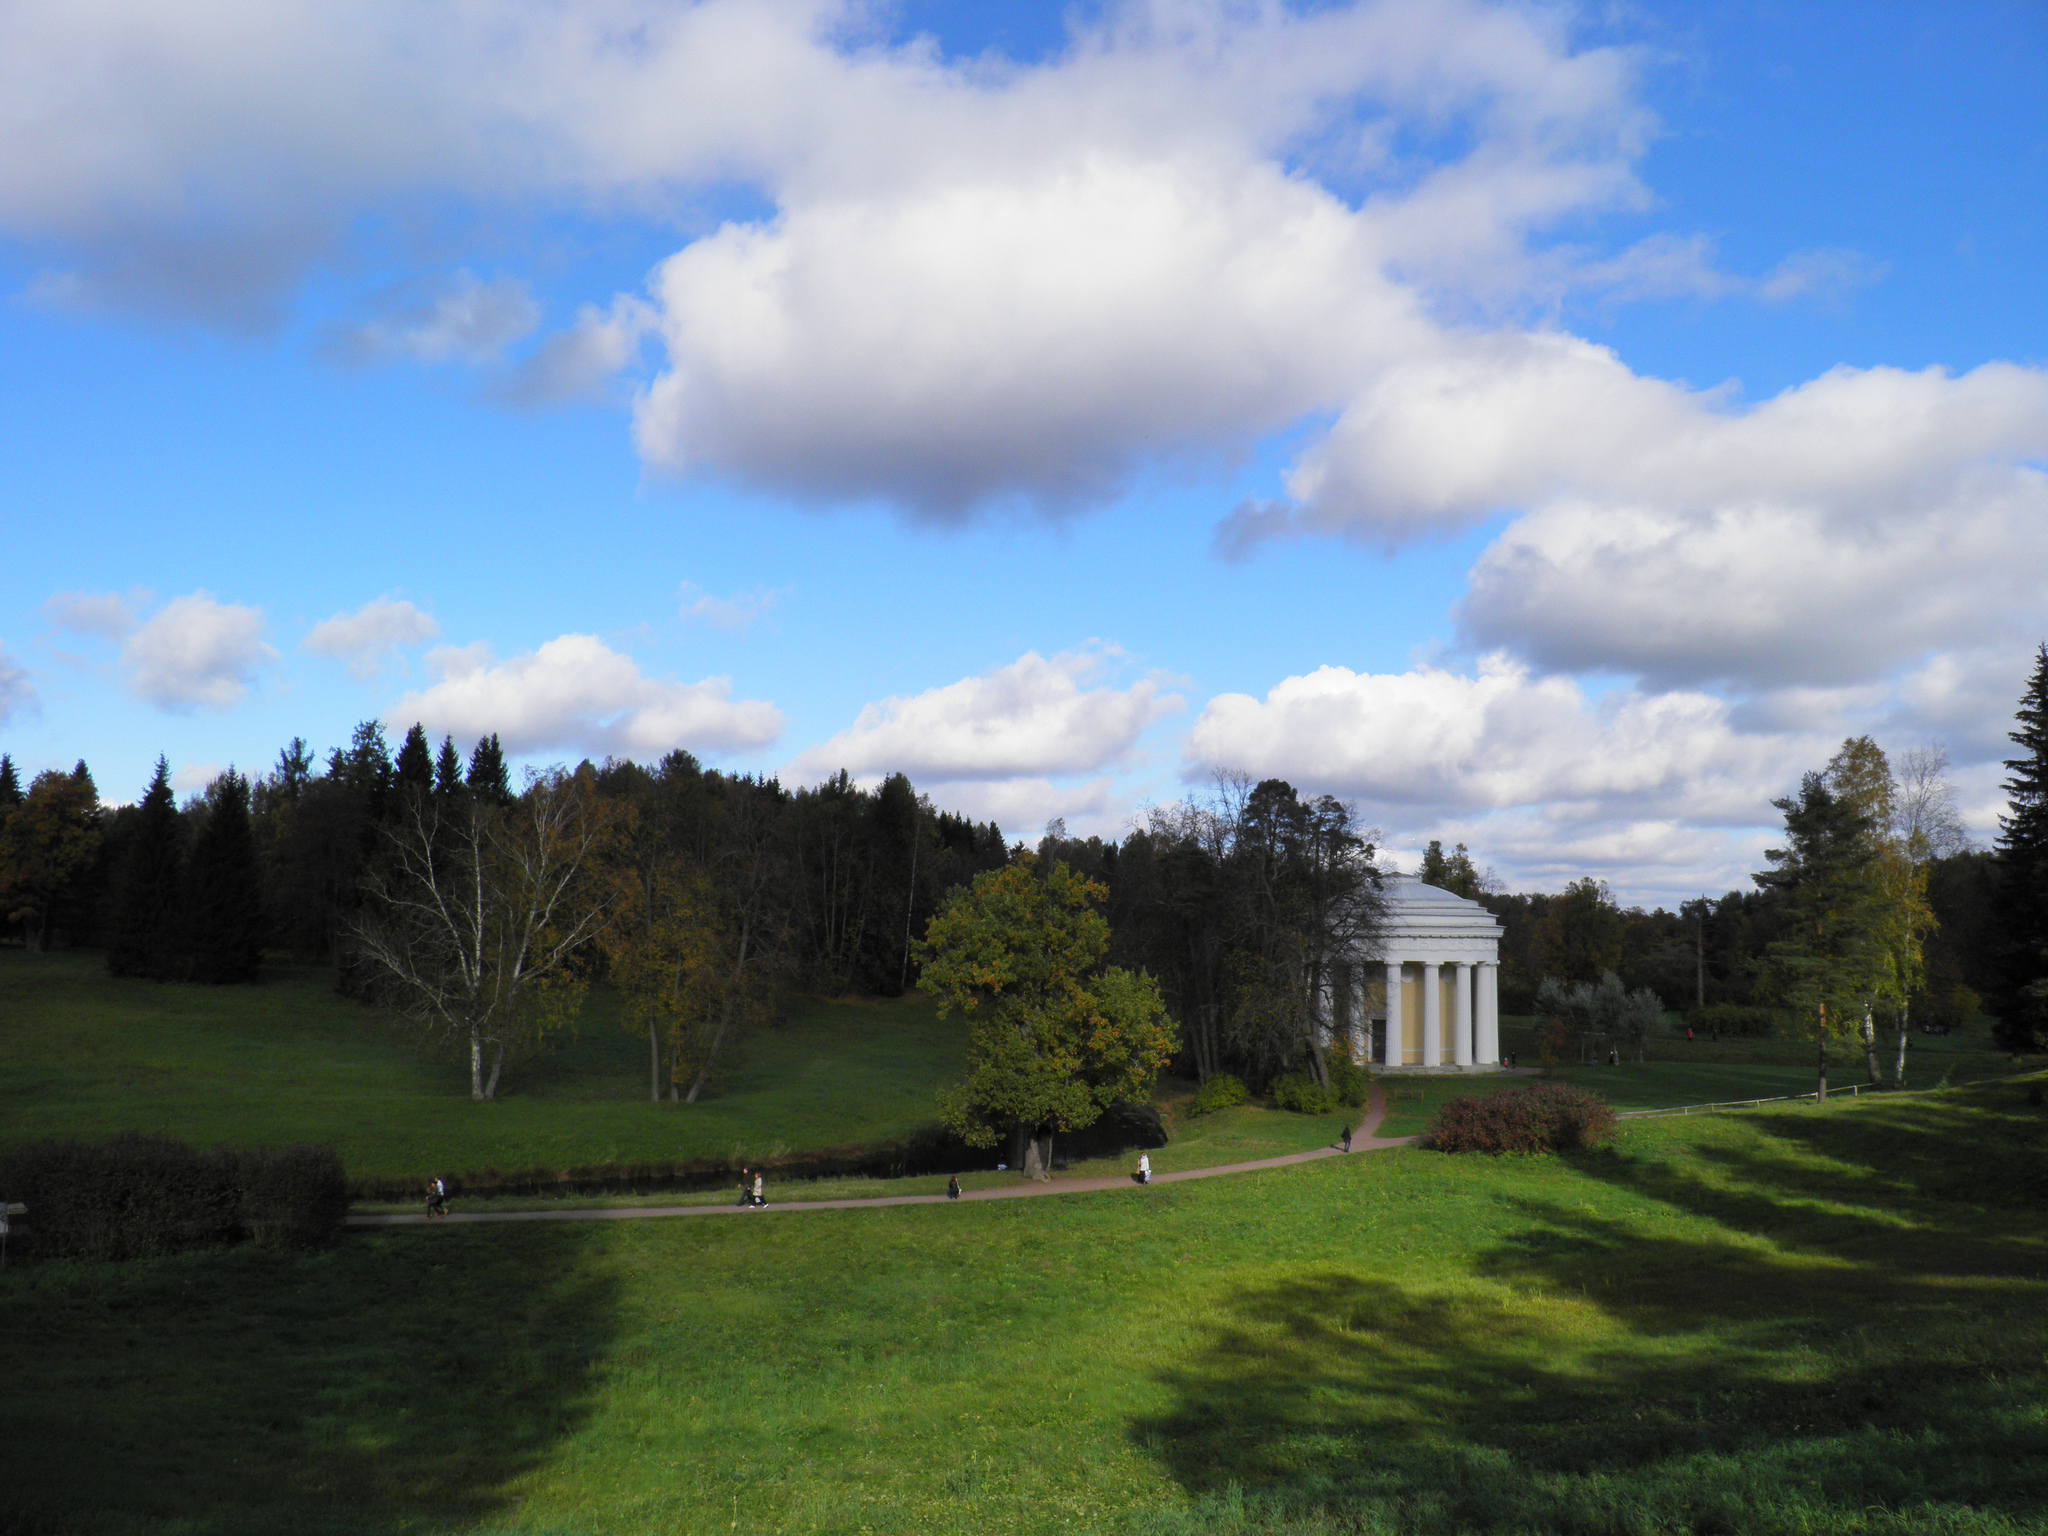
1032, 717
367, 638
1499, 739
575, 693
1651, 790
196, 652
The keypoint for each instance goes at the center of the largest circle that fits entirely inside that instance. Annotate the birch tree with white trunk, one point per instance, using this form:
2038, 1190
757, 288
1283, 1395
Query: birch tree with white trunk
474, 913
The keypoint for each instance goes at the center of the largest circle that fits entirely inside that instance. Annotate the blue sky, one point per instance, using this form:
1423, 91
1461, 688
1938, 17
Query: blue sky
1553, 429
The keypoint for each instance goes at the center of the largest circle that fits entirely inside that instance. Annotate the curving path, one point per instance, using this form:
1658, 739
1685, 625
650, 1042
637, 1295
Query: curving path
1362, 1140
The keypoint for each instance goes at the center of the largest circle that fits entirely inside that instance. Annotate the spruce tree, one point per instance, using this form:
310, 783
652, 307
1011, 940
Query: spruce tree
149, 913
2019, 990
488, 779
1829, 957
447, 768
416, 762
227, 897
10, 785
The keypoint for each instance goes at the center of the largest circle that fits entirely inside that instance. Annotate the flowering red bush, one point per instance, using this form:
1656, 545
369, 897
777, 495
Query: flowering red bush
1548, 1117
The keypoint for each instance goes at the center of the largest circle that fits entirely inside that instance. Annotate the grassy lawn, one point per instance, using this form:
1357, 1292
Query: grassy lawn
84, 1054
1811, 1320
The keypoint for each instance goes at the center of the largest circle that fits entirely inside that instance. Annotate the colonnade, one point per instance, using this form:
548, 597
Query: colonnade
1474, 1025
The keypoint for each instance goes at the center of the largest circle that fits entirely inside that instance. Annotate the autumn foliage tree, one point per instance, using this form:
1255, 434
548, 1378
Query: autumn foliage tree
1055, 1036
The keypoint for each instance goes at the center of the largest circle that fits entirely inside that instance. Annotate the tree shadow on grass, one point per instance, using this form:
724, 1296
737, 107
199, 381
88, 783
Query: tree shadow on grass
1844, 1358
397, 1383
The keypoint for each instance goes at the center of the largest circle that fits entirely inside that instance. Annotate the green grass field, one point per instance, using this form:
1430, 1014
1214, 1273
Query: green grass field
1802, 1320
83, 1054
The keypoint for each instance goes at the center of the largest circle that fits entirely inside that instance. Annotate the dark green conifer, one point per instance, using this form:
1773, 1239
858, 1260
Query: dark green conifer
447, 768
10, 784
227, 897
416, 761
487, 776
149, 928
2019, 992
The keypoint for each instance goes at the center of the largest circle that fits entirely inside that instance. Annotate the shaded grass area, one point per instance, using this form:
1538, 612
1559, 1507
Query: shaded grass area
83, 1054
1812, 1320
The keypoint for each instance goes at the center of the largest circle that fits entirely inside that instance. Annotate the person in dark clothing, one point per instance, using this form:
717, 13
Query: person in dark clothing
1347, 1138
437, 1198
746, 1188
953, 1187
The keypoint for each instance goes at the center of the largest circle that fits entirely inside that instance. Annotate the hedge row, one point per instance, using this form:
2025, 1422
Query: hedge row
1547, 1117
929, 1150
137, 1196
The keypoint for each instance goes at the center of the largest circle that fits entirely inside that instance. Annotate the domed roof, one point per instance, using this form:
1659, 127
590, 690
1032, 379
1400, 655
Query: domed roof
1418, 913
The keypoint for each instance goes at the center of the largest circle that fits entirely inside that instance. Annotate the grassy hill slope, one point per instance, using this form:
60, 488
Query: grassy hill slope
84, 1054
1813, 1320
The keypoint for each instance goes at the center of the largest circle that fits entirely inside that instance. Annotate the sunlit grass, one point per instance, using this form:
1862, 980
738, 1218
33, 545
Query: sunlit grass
84, 1054
1819, 1320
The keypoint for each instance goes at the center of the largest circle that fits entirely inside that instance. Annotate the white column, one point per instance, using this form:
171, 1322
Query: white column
1489, 1012
1392, 1048
1432, 1015
1461, 989
1359, 1041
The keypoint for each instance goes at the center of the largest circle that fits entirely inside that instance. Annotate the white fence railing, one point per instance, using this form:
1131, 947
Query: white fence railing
1852, 1089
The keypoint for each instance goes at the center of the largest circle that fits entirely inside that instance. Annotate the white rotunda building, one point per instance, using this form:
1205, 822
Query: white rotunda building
1429, 1001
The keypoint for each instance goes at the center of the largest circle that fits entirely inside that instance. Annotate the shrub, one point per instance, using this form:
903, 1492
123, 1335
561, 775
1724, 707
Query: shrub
1547, 1117
1301, 1093
136, 1196
1220, 1092
1350, 1084
292, 1197
1730, 1019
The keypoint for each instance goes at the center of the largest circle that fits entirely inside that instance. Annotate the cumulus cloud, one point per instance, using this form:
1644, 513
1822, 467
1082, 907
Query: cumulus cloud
194, 777
739, 612
470, 321
367, 638
577, 364
17, 691
1654, 791
1032, 717
1022, 807
102, 614
1498, 739
577, 694
195, 652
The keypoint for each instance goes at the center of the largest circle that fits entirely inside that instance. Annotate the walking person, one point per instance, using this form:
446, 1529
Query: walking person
437, 1198
744, 1200
1144, 1174
1347, 1138
759, 1198
953, 1187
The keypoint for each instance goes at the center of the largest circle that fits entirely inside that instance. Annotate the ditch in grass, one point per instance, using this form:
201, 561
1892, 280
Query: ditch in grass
1827, 1320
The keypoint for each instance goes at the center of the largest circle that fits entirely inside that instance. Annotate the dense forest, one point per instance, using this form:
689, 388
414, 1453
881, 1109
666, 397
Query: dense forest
434, 887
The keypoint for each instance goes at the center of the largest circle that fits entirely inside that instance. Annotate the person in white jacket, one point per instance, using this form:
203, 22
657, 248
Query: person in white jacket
1144, 1168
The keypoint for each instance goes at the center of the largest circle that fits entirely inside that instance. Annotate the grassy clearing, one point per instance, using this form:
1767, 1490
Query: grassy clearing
86, 1054
1812, 1320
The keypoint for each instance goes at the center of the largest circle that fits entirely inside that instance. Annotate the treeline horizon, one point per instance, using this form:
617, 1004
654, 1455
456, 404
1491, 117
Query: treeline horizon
1247, 907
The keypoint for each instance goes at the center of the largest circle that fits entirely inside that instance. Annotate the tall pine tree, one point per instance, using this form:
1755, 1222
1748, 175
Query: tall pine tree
447, 768
416, 762
149, 927
10, 785
488, 779
227, 897
1829, 960
2019, 991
